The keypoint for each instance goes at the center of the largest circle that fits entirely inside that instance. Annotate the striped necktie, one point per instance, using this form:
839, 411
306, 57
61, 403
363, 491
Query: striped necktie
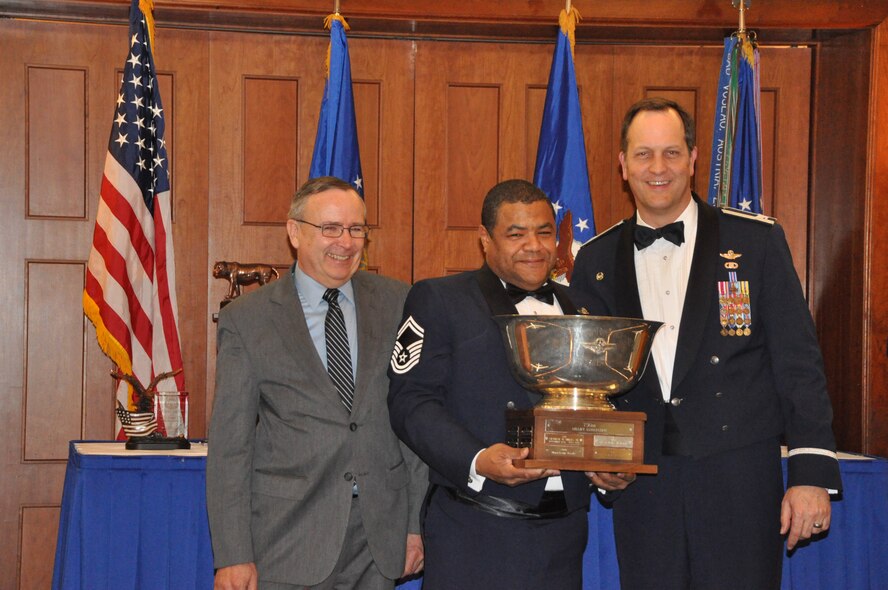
339, 364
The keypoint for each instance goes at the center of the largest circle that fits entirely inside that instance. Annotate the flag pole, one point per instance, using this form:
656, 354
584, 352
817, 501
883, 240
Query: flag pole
741, 31
335, 6
567, 5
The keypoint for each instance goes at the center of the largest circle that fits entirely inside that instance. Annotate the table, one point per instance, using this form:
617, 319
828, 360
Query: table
854, 553
132, 519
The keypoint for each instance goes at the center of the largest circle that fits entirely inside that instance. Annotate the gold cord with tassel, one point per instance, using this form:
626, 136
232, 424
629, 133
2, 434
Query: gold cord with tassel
147, 8
328, 22
568, 20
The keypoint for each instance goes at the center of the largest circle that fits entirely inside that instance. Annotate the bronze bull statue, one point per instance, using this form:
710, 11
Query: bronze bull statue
239, 273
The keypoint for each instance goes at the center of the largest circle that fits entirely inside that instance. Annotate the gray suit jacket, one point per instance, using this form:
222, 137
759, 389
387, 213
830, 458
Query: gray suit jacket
283, 451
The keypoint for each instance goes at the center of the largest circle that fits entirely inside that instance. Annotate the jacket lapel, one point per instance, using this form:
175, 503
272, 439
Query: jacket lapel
567, 306
366, 307
699, 296
289, 322
628, 304
494, 293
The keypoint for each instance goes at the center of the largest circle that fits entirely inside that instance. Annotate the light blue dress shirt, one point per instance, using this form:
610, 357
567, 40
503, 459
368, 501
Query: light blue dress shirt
311, 296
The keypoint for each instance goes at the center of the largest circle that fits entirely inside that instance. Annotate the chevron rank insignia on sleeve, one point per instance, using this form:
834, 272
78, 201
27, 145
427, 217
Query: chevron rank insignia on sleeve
408, 346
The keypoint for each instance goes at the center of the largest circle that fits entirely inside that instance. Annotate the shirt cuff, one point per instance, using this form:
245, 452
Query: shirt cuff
476, 482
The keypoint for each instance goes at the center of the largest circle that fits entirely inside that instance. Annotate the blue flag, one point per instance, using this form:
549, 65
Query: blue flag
561, 170
735, 178
336, 144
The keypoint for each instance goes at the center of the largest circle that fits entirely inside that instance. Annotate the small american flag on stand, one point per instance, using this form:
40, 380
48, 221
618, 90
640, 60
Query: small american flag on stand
130, 293
136, 423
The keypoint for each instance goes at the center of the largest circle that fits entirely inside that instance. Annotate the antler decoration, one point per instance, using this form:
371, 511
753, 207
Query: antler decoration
152, 387
146, 396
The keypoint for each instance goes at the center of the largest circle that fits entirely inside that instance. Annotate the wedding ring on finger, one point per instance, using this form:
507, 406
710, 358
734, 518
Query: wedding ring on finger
818, 525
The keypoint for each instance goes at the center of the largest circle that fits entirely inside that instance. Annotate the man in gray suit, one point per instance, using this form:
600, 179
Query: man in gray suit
307, 486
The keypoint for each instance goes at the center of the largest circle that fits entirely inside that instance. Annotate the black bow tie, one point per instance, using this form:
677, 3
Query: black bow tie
645, 236
545, 293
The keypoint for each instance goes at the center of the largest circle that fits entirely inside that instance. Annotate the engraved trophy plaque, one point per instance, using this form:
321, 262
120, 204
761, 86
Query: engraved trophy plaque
576, 362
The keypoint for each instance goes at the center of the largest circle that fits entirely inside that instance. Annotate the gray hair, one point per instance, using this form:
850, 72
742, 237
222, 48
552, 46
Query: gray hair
312, 187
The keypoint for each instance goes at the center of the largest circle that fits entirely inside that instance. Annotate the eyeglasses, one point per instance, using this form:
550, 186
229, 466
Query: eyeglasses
334, 230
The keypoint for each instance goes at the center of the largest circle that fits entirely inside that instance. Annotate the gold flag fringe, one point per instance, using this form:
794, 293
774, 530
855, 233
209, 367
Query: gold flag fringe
568, 20
328, 22
147, 8
109, 345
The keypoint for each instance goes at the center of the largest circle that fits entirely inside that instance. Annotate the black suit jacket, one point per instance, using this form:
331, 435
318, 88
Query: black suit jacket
451, 403
733, 390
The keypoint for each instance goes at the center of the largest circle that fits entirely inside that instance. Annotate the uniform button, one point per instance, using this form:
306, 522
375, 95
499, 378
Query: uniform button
725, 428
352, 426
676, 401
718, 394
713, 360
348, 476
511, 405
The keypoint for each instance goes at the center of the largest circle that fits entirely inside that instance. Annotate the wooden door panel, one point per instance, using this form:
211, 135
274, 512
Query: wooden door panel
50, 168
471, 132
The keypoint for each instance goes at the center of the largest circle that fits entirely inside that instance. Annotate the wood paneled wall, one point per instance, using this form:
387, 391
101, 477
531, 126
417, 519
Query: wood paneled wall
440, 121
489, 98
838, 211
874, 334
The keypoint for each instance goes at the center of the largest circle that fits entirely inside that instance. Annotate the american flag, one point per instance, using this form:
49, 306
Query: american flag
136, 423
130, 293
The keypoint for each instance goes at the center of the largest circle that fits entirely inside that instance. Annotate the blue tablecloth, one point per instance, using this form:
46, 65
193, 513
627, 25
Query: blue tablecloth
131, 522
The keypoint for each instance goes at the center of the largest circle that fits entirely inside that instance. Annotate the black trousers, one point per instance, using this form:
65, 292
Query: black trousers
468, 549
707, 523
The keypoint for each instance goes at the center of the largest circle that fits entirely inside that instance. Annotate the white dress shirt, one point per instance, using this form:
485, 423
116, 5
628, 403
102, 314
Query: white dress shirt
662, 271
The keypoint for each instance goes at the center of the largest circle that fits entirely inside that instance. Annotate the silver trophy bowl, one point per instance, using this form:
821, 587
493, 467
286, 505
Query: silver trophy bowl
577, 361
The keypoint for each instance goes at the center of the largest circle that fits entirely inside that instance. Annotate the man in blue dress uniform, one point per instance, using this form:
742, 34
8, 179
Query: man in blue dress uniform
488, 524
736, 367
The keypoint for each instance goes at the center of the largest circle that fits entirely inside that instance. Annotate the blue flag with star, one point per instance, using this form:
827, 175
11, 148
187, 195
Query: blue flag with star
561, 169
336, 144
735, 178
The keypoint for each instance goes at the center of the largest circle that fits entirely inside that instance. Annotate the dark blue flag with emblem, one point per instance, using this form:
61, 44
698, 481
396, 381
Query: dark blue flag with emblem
561, 169
735, 178
336, 144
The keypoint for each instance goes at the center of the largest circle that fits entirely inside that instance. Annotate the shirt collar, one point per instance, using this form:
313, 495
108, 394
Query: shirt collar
312, 292
688, 216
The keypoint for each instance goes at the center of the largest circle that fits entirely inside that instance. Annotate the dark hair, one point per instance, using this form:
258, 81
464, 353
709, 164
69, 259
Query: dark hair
510, 191
312, 187
658, 104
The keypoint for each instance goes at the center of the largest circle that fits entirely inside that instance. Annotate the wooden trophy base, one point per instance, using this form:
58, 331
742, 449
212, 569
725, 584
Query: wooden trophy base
147, 443
579, 440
